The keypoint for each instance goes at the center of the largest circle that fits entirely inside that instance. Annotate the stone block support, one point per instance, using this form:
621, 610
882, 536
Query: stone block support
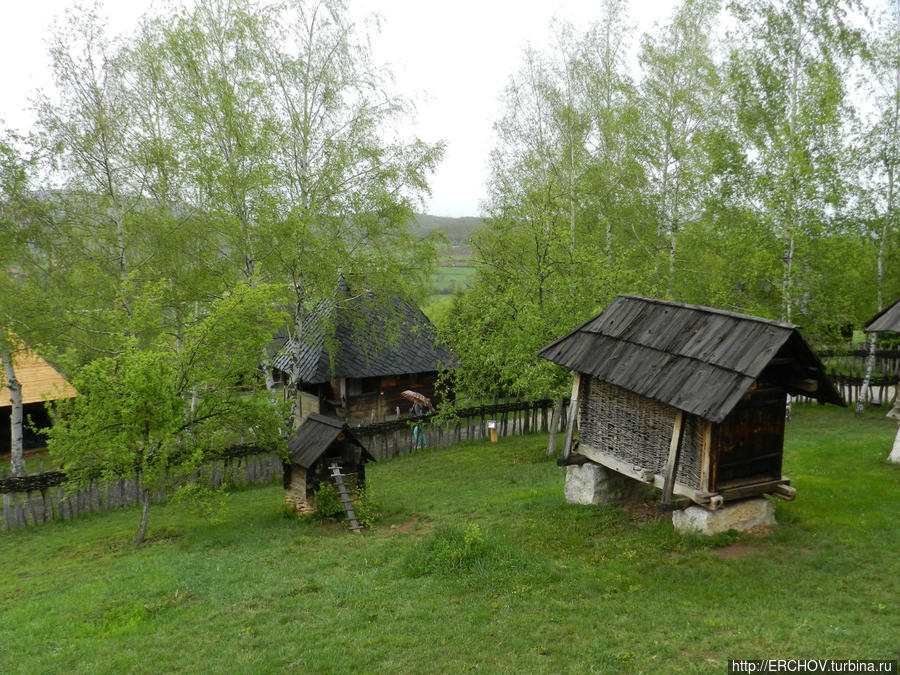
592, 483
742, 516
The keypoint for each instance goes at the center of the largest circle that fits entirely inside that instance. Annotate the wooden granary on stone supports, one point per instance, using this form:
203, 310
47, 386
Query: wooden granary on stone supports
319, 443
686, 398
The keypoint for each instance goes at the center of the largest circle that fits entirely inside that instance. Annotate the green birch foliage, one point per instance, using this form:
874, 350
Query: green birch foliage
679, 95
788, 80
879, 154
564, 211
156, 410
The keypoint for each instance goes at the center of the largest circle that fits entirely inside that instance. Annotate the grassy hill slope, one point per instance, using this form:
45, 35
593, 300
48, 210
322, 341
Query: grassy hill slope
457, 230
478, 564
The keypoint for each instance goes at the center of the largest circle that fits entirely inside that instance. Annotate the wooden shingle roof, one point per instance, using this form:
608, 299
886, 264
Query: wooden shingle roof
887, 319
40, 381
315, 436
369, 341
698, 359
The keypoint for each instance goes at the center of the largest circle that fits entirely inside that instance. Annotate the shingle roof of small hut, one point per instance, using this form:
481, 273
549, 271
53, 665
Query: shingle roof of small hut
887, 319
315, 436
698, 359
370, 340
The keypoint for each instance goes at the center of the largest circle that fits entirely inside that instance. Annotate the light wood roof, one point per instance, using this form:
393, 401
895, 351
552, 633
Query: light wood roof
40, 381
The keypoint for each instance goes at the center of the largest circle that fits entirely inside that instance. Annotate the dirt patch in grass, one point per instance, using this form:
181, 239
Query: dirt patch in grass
404, 527
642, 512
736, 551
413, 525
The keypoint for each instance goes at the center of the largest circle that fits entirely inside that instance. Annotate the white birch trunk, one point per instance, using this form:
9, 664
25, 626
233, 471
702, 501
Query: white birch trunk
17, 447
145, 515
293, 383
894, 457
266, 365
870, 366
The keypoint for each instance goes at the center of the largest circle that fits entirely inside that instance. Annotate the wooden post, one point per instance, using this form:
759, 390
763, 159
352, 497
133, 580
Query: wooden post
554, 427
573, 413
665, 502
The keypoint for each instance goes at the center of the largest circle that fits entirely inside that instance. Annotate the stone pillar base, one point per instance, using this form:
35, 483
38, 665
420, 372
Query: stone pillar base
302, 508
592, 483
742, 515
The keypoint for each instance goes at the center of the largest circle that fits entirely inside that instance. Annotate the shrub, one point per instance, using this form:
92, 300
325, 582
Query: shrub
368, 511
328, 506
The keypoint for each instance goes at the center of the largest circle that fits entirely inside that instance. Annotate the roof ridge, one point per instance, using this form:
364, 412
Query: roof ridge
694, 359
711, 310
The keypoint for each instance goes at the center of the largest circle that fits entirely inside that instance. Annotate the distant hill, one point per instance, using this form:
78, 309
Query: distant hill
458, 230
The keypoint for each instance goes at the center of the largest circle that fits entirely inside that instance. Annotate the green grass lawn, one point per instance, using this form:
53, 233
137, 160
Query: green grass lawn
478, 564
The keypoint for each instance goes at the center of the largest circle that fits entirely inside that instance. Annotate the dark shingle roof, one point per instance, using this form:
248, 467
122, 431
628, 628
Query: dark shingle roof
887, 319
369, 341
698, 359
314, 437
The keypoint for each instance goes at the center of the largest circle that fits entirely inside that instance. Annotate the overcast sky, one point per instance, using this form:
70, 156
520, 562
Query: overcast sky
453, 58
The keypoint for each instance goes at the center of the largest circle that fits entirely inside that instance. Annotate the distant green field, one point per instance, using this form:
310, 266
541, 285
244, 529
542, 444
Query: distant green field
478, 564
450, 278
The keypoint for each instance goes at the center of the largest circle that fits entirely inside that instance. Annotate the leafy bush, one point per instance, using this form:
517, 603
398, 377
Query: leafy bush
368, 511
328, 506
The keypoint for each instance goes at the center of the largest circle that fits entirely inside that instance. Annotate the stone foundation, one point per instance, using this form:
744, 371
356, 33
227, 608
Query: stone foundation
592, 483
742, 515
301, 506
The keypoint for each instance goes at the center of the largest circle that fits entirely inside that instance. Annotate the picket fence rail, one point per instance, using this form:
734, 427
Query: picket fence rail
40, 498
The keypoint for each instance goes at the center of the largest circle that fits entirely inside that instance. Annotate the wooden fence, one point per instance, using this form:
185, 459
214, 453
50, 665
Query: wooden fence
32, 500
882, 390
854, 361
39, 498
397, 437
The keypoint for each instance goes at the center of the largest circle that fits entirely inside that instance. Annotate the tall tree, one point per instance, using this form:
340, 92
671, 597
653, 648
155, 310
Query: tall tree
679, 92
561, 184
788, 83
881, 157
131, 416
348, 182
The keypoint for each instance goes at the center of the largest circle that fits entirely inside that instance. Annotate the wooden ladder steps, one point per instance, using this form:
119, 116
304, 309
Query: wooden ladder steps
344, 496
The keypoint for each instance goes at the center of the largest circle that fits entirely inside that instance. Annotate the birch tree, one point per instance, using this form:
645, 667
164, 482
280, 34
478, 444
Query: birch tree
348, 180
788, 82
679, 93
881, 157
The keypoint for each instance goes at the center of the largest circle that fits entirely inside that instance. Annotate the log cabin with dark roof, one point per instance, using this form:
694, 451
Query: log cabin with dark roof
373, 351
319, 442
687, 398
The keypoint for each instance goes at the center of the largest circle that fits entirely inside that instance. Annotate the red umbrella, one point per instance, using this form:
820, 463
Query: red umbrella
416, 397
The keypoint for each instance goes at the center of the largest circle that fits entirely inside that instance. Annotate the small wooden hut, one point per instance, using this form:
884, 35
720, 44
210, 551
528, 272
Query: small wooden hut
319, 442
888, 320
357, 359
690, 399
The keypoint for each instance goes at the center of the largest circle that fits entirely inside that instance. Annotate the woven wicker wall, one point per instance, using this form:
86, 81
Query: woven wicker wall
638, 431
